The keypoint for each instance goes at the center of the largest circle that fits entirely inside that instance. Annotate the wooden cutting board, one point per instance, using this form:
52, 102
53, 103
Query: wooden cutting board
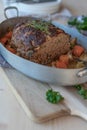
31, 96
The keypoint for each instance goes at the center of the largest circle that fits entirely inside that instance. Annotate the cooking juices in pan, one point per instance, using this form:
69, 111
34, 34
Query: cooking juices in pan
43, 43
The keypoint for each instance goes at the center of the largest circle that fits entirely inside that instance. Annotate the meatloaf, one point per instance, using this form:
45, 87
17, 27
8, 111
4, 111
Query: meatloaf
40, 41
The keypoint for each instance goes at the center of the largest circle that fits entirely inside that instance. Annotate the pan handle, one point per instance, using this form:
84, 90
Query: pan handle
10, 8
82, 73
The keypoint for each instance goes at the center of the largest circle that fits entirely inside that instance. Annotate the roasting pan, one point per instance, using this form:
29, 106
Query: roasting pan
40, 72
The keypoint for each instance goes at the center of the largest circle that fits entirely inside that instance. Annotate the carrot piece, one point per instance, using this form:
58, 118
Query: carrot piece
64, 58
3, 40
78, 50
8, 34
60, 64
11, 49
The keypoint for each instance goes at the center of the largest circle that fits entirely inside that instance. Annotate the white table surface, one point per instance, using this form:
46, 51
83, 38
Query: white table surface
12, 116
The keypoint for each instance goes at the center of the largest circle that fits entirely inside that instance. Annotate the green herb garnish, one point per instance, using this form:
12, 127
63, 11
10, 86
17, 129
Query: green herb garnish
40, 25
73, 22
81, 91
53, 96
79, 24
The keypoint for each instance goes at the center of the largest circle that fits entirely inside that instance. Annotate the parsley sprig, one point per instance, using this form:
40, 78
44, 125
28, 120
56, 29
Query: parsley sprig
79, 24
82, 91
53, 96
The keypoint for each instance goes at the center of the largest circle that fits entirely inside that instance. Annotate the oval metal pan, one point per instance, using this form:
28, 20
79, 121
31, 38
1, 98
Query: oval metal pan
40, 72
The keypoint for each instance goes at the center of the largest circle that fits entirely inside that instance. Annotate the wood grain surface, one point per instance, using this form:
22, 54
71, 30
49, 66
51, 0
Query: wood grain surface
31, 95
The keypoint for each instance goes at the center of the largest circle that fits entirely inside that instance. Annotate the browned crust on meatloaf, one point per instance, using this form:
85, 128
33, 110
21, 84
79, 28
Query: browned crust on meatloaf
52, 49
39, 46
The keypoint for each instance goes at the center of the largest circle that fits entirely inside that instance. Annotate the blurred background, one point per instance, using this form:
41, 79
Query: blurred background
47, 6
